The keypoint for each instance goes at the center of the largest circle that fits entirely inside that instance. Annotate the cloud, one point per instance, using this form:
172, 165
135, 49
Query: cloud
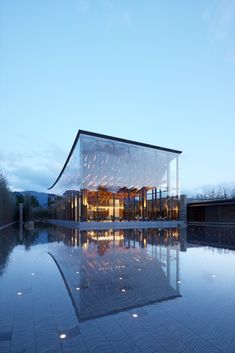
219, 18
26, 178
35, 170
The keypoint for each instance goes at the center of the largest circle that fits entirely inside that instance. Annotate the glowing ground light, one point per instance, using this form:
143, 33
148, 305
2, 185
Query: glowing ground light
135, 315
137, 260
120, 278
63, 336
77, 272
77, 288
123, 290
139, 269
19, 293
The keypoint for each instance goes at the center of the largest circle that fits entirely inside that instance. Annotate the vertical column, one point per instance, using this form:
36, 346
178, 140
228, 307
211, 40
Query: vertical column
168, 177
168, 264
21, 212
97, 205
69, 206
72, 206
113, 218
84, 205
168, 198
66, 205
79, 206
152, 205
76, 206
142, 205
177, 177
160, 202
177, 269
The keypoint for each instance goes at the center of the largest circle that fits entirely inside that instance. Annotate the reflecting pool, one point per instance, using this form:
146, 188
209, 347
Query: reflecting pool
140, 290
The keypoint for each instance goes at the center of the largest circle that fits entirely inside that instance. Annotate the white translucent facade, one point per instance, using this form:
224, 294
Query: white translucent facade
108, 179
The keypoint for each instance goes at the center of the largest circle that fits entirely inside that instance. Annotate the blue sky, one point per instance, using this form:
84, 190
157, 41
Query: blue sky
160, 72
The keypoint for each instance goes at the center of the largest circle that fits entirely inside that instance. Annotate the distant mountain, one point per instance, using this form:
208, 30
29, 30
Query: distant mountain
42, 197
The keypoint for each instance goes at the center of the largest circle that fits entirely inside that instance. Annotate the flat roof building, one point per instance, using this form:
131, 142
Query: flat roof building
212, 211
111, 179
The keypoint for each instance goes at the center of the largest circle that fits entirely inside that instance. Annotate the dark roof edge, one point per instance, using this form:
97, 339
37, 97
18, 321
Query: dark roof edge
127, 141
211, 202
89, 133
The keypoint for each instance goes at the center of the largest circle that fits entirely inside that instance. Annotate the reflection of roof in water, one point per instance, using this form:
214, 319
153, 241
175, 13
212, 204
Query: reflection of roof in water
215, 236
120, 279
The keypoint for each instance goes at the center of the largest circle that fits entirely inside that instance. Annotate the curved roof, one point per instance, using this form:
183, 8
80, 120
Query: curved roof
89, 133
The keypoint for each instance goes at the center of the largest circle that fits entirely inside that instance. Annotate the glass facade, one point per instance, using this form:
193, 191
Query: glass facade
109, 179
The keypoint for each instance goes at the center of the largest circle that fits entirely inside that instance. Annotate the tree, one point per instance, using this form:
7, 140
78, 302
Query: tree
34, 201
220, 193
29, 204
7, 202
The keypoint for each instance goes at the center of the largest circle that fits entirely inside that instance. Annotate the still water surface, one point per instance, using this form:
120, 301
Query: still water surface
145, 290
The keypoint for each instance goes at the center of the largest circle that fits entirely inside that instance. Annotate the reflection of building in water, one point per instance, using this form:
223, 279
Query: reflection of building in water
118, 270
111, 179
217, 236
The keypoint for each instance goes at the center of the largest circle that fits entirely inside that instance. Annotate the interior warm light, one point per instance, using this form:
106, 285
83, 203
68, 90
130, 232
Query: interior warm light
106, 208
108, 237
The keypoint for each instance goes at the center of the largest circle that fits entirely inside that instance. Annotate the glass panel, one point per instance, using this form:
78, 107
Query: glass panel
107, 180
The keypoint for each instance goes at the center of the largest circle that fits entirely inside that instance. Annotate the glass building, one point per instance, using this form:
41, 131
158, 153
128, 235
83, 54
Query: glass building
111, 179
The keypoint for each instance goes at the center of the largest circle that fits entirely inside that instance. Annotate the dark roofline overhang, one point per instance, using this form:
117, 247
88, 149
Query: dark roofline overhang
94, 134
207, 203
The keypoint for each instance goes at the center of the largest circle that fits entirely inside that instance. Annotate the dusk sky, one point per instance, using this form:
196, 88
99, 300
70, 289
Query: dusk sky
160, 72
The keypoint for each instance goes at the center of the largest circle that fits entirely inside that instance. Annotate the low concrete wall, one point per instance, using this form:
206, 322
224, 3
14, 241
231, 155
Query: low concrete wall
117, 225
